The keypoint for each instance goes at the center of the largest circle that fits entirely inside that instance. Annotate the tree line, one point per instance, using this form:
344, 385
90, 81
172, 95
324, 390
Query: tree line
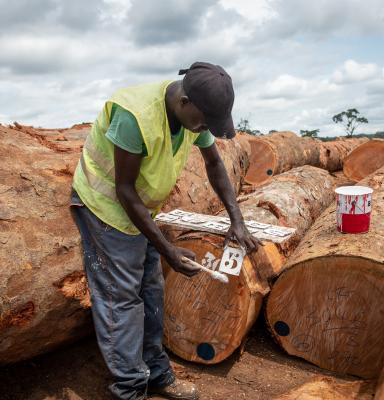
350, 119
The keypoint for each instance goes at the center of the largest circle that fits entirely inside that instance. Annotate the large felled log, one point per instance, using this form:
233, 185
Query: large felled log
330, 389
333, 153
206, 320
327, 306
40, 258
280, 151
364, 160
43, 293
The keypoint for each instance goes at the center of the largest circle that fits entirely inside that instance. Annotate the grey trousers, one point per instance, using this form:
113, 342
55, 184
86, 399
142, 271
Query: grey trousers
126, 285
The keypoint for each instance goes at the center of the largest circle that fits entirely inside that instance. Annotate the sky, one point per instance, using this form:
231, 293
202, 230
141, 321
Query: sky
294, 63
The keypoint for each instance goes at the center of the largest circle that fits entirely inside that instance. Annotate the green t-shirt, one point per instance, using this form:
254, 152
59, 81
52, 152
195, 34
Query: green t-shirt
125, 133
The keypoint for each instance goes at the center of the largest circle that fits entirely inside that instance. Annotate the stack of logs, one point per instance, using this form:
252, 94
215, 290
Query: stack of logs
324, 307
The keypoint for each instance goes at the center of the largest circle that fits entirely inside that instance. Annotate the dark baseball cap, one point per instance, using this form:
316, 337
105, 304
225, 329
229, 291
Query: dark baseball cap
210, 89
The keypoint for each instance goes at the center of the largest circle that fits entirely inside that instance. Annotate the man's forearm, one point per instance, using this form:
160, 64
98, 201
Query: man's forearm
139, 215
221, 184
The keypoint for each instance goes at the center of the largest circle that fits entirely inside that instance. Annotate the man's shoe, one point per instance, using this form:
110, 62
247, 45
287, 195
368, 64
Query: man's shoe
178, 390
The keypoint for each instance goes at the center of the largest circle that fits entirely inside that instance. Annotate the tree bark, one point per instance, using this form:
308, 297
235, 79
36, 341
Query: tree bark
333, 153
364, 160
43, 293
327, 305
42, 287
281, 151
206, 320
380, 387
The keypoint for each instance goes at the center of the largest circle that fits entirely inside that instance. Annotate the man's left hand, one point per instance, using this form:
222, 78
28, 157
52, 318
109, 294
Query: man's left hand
238, 231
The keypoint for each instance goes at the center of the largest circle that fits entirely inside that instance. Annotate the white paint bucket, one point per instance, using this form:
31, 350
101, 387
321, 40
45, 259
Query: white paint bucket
354, 206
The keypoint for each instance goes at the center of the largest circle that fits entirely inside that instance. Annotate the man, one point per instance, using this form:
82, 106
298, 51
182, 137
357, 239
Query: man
130, 162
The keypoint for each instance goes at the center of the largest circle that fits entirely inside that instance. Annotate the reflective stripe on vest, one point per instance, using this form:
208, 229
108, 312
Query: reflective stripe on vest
96, 183
107, 166
99, 184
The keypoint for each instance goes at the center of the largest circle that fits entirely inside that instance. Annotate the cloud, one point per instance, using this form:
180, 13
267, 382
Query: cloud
325, 16
24, 12
78, 15
41, 15
294, 63
291, 87
352, 71
169, 21
44, 54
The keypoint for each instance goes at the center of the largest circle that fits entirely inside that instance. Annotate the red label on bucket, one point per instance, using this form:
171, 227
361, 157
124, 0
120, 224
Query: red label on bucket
354, 205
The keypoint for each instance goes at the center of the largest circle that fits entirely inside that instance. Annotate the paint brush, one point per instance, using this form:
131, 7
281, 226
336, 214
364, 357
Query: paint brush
214, 274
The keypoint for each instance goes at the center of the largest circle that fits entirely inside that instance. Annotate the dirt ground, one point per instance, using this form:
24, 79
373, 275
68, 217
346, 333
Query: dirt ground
77, 372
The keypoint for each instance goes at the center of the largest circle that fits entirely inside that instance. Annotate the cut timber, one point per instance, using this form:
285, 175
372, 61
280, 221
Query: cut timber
327, 307
206, 320
330, 389
42, 287
364, 160
281, 151
333, 153
43, 293
380, 387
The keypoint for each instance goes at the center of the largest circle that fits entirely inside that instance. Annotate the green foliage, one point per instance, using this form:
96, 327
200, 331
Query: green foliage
244, 126
306, 133
350, 119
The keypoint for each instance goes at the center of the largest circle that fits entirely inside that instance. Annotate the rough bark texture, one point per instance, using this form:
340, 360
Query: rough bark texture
201, 313
42, 287
281, 151
364, 160
379, 395
327, 306
329, 389
332, 154
43, 294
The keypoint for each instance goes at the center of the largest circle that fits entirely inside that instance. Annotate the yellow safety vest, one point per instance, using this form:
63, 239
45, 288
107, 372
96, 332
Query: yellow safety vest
94, 178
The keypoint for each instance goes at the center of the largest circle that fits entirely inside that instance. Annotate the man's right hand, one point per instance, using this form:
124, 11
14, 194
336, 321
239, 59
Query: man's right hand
174, 256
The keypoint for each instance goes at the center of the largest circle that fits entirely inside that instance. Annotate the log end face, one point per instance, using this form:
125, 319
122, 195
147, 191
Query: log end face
205, 319
329, 311
262, 165
364, 160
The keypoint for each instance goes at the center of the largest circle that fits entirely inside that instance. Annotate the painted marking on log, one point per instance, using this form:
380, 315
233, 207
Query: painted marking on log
232, 260
210, 261
281, 328
205, 351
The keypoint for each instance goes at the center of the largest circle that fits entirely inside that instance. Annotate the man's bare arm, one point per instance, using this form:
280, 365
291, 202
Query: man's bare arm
127, 168
221, 184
